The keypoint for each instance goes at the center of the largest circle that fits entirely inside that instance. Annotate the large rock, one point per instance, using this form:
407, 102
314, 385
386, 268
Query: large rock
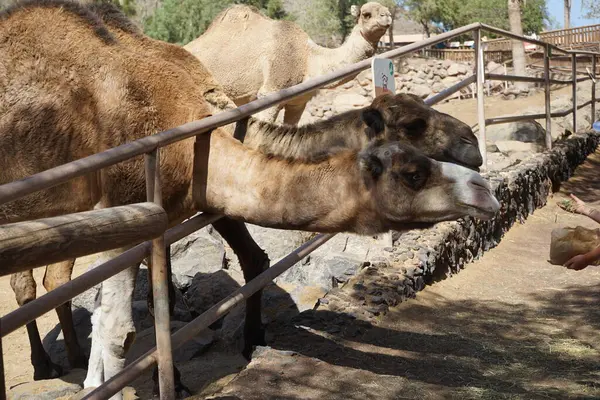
422, 91
277, 243
50, 389
442, 73
453, 70
450, 80
326, 272
348, 101
523, 131
494, 68
146, 339
208, 289
515, 146
200, 252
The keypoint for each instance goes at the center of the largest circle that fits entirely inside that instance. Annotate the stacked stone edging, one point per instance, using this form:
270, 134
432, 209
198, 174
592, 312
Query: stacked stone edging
421, 256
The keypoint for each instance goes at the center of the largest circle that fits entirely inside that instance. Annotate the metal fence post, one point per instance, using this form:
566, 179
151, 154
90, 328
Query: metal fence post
2, 383
574, 72
480, 73
160, 287
547, 100
593, 88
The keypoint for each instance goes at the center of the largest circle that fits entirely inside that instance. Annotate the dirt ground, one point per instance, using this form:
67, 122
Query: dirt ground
498, 327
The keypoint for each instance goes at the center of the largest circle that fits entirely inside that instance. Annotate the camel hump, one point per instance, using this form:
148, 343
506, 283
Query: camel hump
112, 16
77, 9
237, 14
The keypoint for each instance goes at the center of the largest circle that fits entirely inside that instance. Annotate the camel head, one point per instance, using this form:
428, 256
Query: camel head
373, 19
406, 118
412, 189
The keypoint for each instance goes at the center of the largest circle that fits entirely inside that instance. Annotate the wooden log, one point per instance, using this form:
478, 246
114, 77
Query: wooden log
30, 244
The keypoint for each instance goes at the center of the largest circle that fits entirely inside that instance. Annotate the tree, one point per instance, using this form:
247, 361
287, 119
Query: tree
567, 14
592, 8
181, 21
518, 50
451, 14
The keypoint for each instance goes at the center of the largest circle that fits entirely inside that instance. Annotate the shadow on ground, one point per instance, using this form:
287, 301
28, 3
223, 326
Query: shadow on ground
546, 348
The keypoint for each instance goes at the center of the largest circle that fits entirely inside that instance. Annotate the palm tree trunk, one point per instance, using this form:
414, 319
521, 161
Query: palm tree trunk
518, 50
567, 14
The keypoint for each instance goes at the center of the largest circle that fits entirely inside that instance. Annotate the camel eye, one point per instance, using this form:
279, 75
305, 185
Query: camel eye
367, 15
416, 127
465, 140
415, 179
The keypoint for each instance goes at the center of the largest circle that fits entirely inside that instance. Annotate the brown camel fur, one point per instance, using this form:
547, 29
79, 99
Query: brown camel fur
111, 90
252, 55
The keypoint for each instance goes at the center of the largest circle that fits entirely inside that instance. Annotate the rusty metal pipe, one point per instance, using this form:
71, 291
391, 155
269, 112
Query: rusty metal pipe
160, 285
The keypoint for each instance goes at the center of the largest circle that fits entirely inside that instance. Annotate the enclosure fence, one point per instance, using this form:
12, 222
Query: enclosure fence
147, 222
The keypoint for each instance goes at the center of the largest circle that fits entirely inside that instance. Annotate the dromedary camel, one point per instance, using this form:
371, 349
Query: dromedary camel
252, 55
401, 117
101, 97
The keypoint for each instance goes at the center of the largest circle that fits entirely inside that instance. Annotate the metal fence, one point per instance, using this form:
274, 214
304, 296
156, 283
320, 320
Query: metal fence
151, 215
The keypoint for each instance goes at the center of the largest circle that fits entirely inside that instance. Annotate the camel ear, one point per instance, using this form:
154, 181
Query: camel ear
374, 121
371, 164
354, 11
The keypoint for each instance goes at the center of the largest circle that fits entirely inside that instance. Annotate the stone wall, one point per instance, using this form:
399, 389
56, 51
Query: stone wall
422, 256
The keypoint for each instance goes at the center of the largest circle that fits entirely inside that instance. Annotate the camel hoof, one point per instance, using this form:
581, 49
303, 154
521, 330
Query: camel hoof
47, 371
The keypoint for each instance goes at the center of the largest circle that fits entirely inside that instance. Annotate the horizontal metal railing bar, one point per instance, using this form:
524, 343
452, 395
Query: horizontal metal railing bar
511, 35
147, 360
515, 118
451, 90
513, 78
55, 176
583, 79
49, 301
561, 81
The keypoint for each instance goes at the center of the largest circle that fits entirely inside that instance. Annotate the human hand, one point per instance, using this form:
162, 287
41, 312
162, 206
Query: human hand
577, 263
576, 206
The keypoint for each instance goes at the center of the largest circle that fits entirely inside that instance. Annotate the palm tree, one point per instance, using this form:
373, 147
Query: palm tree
518, 50
567, 14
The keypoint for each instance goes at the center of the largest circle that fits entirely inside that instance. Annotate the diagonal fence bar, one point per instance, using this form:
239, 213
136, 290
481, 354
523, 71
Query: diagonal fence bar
137, 367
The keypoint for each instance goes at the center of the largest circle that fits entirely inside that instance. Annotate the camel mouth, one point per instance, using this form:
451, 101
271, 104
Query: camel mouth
462, 164
485, 211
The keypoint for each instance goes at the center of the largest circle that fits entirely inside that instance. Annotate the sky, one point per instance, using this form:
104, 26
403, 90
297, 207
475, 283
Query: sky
556, 10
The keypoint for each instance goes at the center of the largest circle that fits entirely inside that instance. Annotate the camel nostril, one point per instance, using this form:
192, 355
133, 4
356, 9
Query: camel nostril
479, 183
466, 140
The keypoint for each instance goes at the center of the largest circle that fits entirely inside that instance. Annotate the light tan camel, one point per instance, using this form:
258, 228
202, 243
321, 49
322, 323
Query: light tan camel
57, 96
252, 55
401, 117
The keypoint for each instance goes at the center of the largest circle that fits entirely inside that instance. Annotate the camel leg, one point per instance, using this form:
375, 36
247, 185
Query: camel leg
293, 113
24, 287
56, 275
113, 331
253, 261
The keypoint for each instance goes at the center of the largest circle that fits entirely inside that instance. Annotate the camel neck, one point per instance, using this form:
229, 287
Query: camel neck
305, 142
355, 48
244, 184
